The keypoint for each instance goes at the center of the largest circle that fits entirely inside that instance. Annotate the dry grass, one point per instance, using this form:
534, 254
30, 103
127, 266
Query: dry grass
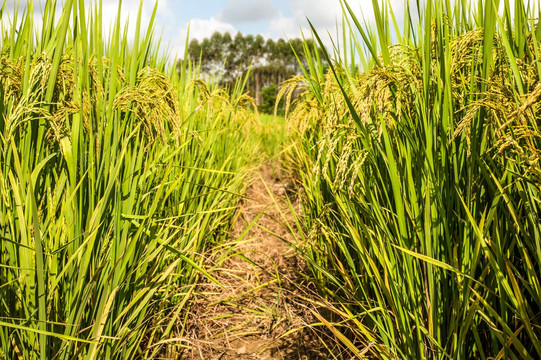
262, 307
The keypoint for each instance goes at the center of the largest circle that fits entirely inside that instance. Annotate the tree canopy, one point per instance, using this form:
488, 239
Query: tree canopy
227, 58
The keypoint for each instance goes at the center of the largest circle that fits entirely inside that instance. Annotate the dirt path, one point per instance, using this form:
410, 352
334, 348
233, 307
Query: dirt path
259, 313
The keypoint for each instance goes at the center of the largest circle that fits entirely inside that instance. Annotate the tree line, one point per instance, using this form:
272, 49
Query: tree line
227, 58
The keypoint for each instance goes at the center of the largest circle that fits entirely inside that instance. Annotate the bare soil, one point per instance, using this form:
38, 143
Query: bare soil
264, 308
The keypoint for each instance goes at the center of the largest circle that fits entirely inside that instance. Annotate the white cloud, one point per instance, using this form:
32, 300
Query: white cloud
199, 29
129, 11
247, 11
324, 15
282, 26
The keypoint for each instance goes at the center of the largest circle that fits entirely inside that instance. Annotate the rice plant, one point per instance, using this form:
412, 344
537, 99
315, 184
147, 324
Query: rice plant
116, 173
419, 155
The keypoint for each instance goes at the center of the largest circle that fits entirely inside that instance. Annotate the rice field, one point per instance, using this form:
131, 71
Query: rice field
415, 154
115, 174
419, 155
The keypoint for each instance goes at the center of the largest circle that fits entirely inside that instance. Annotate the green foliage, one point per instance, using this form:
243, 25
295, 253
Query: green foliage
272, 134
115, 176
421, 178
269, 96
228, 59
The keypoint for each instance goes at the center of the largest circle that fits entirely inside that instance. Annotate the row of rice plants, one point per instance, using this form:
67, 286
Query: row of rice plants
116, 173
419, 154
272, 133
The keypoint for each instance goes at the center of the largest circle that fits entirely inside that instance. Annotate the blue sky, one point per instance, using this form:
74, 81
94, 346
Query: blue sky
271, 18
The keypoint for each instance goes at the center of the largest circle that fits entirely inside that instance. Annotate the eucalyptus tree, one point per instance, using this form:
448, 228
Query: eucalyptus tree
265, 61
